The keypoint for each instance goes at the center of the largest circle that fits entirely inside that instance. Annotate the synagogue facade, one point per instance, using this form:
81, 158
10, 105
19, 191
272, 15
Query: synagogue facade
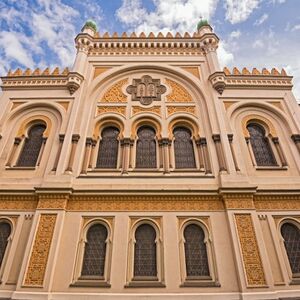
147, 172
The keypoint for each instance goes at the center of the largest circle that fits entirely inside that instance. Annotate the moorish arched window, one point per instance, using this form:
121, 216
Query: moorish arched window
108, 148
32, 146
5, 231
260, 145
146, 148
291, 237
95, 251
195, 251
145, 252
183, 148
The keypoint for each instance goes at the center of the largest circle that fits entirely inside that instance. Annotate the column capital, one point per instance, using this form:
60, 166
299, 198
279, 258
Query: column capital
216, 138
296, 138
75, 138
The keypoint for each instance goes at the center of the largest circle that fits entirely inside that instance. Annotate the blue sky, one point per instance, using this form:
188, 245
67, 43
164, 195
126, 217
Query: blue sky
253, 33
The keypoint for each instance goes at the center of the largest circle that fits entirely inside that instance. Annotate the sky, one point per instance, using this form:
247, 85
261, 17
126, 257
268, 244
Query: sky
253, 33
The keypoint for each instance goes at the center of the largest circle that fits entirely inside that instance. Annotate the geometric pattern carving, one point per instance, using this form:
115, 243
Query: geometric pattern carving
183, 149
111, 109
181, 109
40, 251
195, 251
138, 109
291, 236
250, 252
114, 93
178, 93
145, 251
94, 252
32, 146
146, 90
5, 231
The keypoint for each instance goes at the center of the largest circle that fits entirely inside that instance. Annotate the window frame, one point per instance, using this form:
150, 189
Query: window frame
293, 277
146, 281
198, 281
93, 281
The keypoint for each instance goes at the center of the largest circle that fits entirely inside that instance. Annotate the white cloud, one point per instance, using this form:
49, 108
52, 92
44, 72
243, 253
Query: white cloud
169, 15
261, 20
296, 27
224, 55
239, 10
258, 44
235, 34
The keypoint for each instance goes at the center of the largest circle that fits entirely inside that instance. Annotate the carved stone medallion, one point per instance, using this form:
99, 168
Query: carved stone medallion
146, 90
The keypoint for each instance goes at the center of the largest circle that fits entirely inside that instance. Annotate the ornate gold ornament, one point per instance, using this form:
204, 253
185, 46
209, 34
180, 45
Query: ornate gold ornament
250, 252
115, 93
183, 109
139, 109
146, 90
193, 70
39, 256
179, 93
111, 109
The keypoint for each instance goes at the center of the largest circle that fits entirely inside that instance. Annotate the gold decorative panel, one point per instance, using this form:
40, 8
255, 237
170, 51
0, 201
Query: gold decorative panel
238, 201
100, 70
18, 202
181, 109
138, 109
53, 201
111, 109
115, 93
39, 256
144, 203
178, 93
193, 70
252, 261
277, 202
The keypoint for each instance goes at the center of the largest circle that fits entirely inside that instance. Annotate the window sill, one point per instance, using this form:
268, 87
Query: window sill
270, 168
91, 283
295, 280
20, 168
145, 284
200, 283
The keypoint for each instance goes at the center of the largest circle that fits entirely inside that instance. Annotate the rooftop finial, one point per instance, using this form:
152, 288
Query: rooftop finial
91, 24
202, 22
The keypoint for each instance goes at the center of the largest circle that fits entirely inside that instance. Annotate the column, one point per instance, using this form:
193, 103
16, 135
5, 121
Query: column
207, 165
200, 155
230, 139
125, 144
75, 139
220, 154
247, 139
164, 145
296, 139
13, 151
279, 151
94, 143
87, 154
61, 140
41, 151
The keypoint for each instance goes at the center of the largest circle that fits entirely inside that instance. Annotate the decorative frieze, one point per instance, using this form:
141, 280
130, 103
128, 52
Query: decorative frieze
18, 202
40, 251
254, 271
139, 109
111, 109
115, 93
181, 109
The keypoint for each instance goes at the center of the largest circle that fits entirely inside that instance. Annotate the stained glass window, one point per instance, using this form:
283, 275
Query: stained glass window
146, 148
95, 251
108, 149
183, 148
5, 231
145, 252
291, 236
195, 251
260, 145
32, 146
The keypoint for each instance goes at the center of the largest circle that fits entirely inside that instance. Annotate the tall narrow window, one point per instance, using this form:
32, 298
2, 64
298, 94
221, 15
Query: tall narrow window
95, 251
32, 147
183, 148
260, 145
5, 231
145, 252
195, 252
108, 149
146, 148
291, 236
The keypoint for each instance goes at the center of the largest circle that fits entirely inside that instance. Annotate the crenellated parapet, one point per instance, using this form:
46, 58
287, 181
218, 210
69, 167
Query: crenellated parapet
244, 79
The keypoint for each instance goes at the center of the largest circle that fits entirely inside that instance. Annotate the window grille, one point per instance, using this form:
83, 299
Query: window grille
260, 145
108, 149
95, 251
195, 251
5, 231
32, 147
291, 236
146, 148
145, 252
183, 148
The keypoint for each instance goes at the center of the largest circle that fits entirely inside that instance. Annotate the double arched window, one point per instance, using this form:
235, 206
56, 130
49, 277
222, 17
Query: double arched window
291, 237
95, 252
145, 263
260, 144
146, 148
195, 252
183, 148
32, 146
108, 148
5, 231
